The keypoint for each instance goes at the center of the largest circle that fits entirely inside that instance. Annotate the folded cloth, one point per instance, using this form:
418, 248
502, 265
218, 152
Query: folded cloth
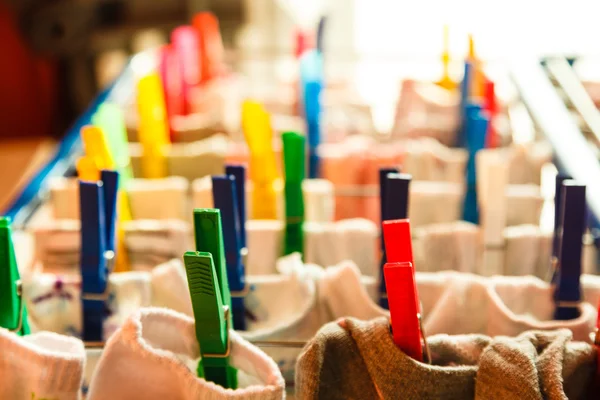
189, 160
461, 303
165, 198
536, 365
40, 366
54, 300
325, 243
154, 356
453, 246
147, 242
425, 110
147, 198
294, 316
353, 359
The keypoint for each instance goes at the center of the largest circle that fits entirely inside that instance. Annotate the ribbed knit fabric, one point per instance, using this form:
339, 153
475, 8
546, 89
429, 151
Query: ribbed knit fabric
40, 366
154, 355
353, 359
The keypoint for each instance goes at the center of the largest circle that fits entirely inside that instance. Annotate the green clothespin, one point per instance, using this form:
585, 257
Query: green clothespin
109, 118
294, 154
13, 314
211, 299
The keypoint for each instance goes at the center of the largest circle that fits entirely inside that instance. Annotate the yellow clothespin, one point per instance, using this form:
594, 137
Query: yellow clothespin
256, 125
153, 126
97, 157
446, 82
478, 82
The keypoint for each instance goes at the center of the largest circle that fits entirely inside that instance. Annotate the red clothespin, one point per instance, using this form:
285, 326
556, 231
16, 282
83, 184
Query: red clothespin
403, 299
491, 107
304, 41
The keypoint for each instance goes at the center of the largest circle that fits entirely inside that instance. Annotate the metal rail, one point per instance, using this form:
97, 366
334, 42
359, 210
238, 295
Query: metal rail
573, 152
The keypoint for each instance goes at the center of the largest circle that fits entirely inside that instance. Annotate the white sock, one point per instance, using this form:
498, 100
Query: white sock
40, 366
154, 355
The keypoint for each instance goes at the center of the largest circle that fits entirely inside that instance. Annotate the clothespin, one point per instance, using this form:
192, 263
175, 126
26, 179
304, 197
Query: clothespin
211, 300
109, 118
211, 45
257, 129
558, 208
293, 160
477, 83
393, 192
475, 129
172, 83
321, 33
186, 43
446, 82
97, 157
98, 202
303, 42
239, 172
464, 99
491, 108
153, 126
13, 314
405, 309
311, 81
226, 200
567, 294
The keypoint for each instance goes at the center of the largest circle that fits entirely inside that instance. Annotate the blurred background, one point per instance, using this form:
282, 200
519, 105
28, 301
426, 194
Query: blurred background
57, 55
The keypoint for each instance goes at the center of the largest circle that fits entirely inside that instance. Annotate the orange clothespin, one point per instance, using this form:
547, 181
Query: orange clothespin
403, 299
446, 81
211, 46
478, 81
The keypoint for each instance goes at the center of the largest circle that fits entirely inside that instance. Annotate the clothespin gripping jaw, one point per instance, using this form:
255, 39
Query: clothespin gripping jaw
403, 298
225, 199
294, 161
212, 319
13, 314
567, 293
394, 205
98, 201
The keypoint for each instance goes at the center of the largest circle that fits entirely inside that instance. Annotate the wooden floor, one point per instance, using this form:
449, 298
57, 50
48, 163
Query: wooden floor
20, 159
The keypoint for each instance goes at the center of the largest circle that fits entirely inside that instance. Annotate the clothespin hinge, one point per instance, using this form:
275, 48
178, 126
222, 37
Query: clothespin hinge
109, 258
19, 285
426, 352
228, 349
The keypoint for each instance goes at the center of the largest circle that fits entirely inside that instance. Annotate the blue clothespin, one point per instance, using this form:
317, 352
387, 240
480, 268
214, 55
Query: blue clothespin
97, 201
311, 80
476, 124
226, 200
465, 85
394, 205
567, 293
321, 33
554, 260
239, 171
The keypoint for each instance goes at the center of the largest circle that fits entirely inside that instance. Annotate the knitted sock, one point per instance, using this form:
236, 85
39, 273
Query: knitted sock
154, 355
536, 365
40, 366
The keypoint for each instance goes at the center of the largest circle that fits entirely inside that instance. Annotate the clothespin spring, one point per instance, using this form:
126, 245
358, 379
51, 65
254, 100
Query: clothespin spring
21, 307
426, 352
109, 258
228, 349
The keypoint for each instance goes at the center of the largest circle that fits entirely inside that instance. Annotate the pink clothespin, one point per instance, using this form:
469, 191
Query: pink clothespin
170, 74
403, 299
185, 41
